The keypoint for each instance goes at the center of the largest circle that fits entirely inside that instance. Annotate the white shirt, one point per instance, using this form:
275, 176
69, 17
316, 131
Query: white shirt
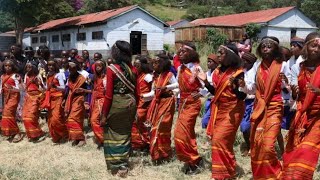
194, 68
16, 79
250, 87
173, 86
61, 78
246, 77
38, 77
205, 90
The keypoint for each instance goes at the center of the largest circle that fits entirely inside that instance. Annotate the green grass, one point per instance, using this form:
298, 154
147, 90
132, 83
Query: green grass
166, 13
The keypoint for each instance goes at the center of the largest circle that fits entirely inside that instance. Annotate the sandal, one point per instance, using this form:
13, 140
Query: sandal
18, 139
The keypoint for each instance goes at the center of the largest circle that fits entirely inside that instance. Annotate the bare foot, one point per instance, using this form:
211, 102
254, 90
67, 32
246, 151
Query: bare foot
123, 172
17, 138
81, 143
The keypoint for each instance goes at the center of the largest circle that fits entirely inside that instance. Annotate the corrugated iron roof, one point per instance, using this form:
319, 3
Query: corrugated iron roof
242, 19
171, 23
82, 20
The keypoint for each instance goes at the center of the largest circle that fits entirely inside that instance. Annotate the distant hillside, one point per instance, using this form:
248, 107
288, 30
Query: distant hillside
166, 13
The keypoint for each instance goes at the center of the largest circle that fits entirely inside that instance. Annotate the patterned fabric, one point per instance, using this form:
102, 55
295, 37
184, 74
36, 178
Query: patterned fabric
76, 110
117, 132
189, 109
303, 147
226, 114
140, 133
96, 107
265, 122
9, 126
30, 110
162, 108
56, 120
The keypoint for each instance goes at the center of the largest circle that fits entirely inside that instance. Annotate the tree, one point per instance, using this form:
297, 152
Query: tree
28, 13
310, 9
6, 22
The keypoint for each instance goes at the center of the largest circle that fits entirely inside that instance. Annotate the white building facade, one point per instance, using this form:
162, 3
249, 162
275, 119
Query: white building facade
290, 24
143, 30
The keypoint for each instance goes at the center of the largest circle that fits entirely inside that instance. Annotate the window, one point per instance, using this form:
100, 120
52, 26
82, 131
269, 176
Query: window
97, 35
55, 38
293, 33
81, 36
34, 40
66, 37
43, 39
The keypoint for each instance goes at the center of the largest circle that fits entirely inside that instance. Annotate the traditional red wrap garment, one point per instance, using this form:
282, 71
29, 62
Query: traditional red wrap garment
189, 108
75, 109
303, 147
11, 98
56, 120
266, 121
97, 100
30, 111
160, 114
226, 114
140, 134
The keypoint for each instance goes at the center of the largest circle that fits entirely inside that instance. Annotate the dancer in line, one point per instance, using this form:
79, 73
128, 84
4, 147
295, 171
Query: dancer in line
302, 151
162, 108
227, 111
189, 109
140, 137
34, 88
119, 109
10, 90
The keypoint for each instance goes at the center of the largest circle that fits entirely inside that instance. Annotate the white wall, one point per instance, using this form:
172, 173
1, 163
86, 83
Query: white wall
120, 28
169, 36
292, 19
115, 29
281, 26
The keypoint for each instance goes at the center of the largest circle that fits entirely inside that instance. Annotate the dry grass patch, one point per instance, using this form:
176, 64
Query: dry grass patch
45, 160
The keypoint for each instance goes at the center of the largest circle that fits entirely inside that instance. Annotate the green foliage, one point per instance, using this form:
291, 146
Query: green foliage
166, 47
215, 38
6, 22
310, 9
253, 30
196, 12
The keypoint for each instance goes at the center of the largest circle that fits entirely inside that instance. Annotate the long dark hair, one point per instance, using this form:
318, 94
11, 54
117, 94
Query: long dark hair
145, 66
103, 71
193, 55
277, 53
307, 41
13, 65
35, 70
55, 65
45, 51
232, 56
165, 63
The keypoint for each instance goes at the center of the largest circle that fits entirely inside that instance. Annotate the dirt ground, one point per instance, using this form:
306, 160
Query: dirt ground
44, 160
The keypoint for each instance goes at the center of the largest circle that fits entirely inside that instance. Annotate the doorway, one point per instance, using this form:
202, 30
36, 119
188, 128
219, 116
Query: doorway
135, 41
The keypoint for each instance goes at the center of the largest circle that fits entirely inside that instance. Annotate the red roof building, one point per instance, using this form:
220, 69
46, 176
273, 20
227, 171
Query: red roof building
283, 23
97, 32
242, 19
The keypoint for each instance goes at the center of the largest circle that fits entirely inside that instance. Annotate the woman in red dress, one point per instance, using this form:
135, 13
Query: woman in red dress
34, 96
10, 90
97, 100
140, 138
302, 151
